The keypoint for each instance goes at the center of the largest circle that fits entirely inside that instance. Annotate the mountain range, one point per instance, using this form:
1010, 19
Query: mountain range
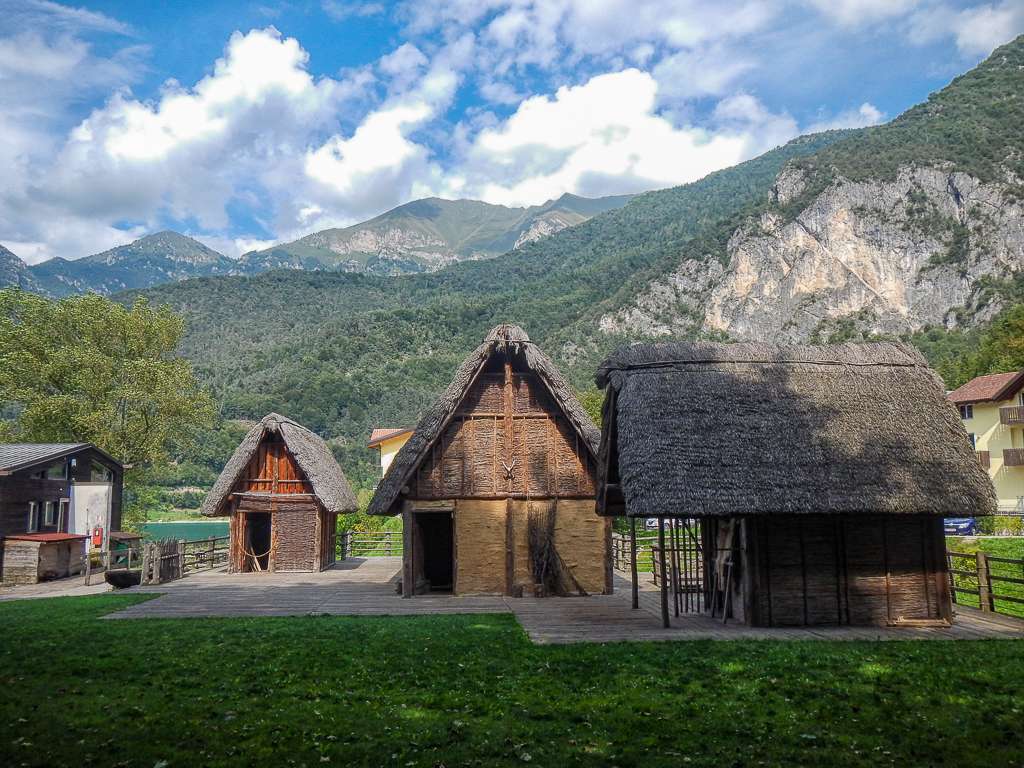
420, 236
909, 229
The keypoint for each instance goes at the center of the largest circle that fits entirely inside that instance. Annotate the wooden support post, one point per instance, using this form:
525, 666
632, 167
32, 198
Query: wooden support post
985, 599
408, 551
88, 564
146, 559
632, 562
664, 573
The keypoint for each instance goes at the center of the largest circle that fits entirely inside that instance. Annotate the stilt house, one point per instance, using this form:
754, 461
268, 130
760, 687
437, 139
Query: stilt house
283, 491
819, 475
496, 484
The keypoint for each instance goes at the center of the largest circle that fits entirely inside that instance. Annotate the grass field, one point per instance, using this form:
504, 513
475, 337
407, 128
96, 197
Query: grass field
472, 690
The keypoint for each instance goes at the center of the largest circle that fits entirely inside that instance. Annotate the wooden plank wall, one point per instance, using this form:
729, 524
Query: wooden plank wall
844, 569
272, 469
533, 451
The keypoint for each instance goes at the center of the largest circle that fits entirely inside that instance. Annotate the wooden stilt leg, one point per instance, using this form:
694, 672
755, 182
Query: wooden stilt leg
632, 562
664, 573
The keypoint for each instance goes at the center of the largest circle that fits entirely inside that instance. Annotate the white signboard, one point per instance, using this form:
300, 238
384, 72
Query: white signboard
90, 506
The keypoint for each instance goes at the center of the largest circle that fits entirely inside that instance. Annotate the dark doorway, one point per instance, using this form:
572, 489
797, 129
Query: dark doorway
438, 547
257, 542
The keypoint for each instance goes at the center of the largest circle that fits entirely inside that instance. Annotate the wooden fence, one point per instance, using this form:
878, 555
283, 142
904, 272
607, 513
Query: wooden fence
622, 552
991, 583
169, 559
369, 544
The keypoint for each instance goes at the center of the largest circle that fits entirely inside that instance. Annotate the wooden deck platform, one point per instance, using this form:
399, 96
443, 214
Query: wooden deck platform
366, 587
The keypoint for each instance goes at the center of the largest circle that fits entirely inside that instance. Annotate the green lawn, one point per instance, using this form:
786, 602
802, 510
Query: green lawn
472, 690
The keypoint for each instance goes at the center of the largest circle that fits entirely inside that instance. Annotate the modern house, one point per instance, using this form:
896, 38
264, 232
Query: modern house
53, 497
992, 409
820, 476
496, 484
283, 491
388, 441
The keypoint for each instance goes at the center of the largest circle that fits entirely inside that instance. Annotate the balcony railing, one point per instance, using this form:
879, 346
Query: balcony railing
1011, 415
1013, 457
984, 458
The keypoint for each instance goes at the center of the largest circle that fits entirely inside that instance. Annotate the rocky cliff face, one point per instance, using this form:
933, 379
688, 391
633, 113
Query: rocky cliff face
872, 257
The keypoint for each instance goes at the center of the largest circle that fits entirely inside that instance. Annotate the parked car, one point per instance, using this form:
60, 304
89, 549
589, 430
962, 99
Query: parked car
961, 526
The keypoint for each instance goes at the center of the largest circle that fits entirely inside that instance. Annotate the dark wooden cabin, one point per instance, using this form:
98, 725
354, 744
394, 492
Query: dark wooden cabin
52, 493
496, 484
283, 491
820, 476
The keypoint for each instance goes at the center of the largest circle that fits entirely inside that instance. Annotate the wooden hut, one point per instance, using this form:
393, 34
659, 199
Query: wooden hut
53, 496
820, 475
283, 490
496, 484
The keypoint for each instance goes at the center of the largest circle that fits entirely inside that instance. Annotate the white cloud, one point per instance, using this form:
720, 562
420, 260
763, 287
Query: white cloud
864, 115
342, 11
855, 13
977, 30
603, 137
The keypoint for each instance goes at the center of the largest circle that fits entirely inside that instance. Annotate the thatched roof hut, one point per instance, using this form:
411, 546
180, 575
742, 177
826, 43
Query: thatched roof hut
283, 490
311, 453
496, 483
506, 339
725, 429
819, 475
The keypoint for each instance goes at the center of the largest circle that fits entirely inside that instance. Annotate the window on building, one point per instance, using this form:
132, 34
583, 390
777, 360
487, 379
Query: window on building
49, 514
974, 440
62, 517
966, 411
33, 517
99, 473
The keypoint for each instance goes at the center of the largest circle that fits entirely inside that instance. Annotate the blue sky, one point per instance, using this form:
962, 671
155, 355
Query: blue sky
248, 123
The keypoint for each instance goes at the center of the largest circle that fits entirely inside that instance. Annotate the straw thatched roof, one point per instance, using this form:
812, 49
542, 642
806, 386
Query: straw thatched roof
509, 338
311, 454
723, 429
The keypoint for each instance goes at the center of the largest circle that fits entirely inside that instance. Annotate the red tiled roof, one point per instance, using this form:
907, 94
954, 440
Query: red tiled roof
47, 537
379, 435
995, 386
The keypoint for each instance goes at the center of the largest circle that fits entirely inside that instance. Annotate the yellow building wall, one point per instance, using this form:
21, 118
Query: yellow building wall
991, 436
389, 449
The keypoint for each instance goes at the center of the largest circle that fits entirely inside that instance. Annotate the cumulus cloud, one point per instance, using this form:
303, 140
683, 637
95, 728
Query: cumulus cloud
861, 117
602, 137
855, 13
976, 30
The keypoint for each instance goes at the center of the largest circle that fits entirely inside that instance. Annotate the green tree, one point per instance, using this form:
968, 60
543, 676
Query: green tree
88, 369
1002, 345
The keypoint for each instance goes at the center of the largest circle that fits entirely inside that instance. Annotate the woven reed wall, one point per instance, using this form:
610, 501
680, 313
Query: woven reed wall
296, 536
841, 569
546, 457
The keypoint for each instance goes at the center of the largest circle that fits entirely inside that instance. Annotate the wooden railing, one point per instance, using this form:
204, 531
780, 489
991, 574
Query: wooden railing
169, 559
993, 584
622, 552
984, 458
369, 544
1013, 457
1011, 415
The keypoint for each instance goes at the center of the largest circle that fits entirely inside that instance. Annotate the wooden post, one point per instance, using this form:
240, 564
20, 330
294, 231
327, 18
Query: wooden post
181, 558
632, 562
408, 551
985, 599
88, 563
211, 549
664, 572
146, 559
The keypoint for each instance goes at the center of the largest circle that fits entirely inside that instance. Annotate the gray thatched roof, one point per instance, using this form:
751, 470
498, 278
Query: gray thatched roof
311, 453
722, 429
434, 421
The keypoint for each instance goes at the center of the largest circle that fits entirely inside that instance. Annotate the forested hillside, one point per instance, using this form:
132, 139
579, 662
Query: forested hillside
346, 352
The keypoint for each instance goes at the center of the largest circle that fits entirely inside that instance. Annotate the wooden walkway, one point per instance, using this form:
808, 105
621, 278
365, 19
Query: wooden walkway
366, 587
